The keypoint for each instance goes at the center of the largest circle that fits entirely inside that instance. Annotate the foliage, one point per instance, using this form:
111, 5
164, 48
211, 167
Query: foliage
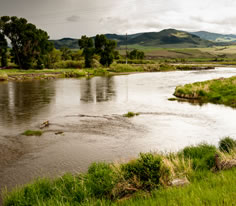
136, 54
3, 50
52, 58
202, 156
104, 183
100, 180
65, 53
219, 91
146, 169
106, 49
227, 144
87, 45
29, 44
210, 189
32, 133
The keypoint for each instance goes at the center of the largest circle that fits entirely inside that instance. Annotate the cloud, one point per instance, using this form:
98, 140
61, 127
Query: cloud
73, 18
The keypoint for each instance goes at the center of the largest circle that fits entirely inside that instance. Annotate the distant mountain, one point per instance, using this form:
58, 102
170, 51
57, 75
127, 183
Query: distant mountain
215, 37
66, 42
168, 38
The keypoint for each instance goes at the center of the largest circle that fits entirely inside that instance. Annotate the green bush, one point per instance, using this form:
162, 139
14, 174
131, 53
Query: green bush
202, 156
69, 64
227, 144
146, 169
100, 180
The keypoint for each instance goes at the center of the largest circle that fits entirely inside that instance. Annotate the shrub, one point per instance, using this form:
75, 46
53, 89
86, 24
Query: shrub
227, 144
100, 180
146, 169
203, 156
69, 64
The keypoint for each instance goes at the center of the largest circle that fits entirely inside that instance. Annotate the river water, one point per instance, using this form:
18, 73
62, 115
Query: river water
88, 115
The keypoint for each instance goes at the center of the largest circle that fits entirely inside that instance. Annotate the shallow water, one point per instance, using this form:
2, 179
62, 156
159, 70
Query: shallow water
89, 113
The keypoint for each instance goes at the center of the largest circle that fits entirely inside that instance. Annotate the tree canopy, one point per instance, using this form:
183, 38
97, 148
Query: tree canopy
29, 44
101, 46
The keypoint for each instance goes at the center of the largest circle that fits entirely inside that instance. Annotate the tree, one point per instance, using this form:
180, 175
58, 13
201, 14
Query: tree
3, 50
65, 53
136, 54
29, 44
87, 45
106, 49
108, 54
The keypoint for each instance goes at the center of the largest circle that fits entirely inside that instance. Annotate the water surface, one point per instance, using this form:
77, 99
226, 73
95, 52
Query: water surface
89, 113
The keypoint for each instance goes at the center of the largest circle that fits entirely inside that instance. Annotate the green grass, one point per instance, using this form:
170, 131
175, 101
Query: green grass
3, 76
218, 91
109, 183
212, 189
32, 133
130, 114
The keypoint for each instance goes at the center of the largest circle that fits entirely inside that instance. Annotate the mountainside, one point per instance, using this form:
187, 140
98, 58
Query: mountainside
215, 36
168, 38
66, 42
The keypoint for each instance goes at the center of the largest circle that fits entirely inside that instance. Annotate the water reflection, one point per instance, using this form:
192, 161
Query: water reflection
99, 89
20, 101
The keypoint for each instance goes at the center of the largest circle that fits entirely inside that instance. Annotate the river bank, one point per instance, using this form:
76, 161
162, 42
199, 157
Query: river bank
116, 69
218, 91
113, 183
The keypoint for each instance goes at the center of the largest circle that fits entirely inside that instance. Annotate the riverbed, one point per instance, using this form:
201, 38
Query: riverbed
87, 123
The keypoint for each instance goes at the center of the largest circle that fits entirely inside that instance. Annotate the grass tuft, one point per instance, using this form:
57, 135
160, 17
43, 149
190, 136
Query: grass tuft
130, 114
32, 133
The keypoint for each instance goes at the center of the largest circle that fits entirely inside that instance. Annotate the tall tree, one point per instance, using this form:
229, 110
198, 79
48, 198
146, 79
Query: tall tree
106, 49
29, 44
87, 45
3, 50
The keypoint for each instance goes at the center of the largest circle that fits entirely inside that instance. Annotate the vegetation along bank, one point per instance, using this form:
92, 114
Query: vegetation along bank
150, 179
218, 91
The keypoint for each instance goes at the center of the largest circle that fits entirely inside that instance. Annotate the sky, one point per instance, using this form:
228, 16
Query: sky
73, 18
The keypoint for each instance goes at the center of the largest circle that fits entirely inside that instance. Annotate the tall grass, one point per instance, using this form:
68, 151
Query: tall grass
108, 183
219, 91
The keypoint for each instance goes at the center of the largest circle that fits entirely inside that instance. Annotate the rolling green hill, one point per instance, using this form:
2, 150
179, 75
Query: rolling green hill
215, 36
168, 38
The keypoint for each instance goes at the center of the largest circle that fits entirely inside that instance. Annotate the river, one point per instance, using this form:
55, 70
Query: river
88, 115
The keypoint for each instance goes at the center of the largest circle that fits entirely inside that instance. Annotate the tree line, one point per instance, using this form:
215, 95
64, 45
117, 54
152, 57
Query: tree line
31, 48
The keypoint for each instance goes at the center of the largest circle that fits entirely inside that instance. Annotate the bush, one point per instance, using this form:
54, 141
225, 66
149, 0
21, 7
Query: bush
69, 64
227, 144
100, 180
203, 156
146, 169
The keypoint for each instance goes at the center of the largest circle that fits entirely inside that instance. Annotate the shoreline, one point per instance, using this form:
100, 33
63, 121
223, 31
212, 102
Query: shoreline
47, 74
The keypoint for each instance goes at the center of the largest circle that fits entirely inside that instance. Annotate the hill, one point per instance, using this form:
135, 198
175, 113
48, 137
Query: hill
215, 37
168, 38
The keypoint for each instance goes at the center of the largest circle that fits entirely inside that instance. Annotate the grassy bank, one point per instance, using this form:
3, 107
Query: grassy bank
147, 180
219, 91
16, 74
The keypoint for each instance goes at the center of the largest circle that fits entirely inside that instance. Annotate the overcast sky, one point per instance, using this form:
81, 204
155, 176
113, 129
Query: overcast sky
73, 18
